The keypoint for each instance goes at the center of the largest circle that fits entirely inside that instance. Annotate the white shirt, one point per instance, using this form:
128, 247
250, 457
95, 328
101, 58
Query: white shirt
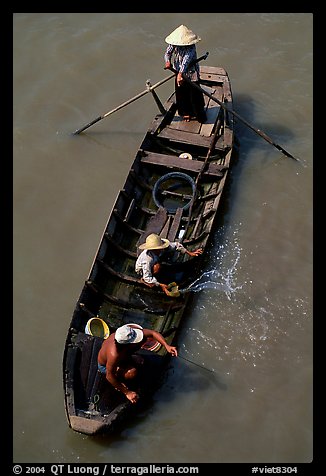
147, 259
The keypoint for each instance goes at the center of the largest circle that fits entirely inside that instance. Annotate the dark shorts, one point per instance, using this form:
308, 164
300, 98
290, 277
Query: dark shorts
101, 368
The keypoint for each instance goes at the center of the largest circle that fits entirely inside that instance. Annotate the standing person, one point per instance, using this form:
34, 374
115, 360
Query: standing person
181, 54
117, 359
156, 249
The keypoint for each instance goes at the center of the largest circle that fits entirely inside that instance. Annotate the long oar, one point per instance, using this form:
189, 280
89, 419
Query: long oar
231, 111
149, 88
146, 91
194, 363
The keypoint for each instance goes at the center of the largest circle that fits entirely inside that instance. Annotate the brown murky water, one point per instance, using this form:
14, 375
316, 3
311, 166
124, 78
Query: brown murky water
252, 320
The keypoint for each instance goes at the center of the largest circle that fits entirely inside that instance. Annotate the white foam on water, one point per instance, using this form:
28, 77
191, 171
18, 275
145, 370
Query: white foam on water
224, 276
249, 326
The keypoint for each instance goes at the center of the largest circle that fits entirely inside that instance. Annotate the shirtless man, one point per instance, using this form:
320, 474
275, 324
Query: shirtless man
116, 359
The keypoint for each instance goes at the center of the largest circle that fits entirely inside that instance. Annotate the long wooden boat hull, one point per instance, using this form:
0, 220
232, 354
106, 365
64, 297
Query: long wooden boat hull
173, 188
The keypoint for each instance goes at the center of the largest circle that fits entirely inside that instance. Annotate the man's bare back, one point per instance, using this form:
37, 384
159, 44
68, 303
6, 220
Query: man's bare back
120, 361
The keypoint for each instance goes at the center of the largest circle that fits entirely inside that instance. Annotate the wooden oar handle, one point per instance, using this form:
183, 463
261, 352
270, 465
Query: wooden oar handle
200, 58
88, 125
192, 63
147, 90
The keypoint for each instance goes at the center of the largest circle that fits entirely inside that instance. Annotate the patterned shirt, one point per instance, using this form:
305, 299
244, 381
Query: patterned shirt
147, 259
180, 57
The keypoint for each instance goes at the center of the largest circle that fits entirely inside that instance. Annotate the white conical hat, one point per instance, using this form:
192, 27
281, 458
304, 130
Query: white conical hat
182, 36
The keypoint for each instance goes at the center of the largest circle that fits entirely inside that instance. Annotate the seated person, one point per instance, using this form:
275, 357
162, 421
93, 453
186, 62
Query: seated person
156, 249
116, 357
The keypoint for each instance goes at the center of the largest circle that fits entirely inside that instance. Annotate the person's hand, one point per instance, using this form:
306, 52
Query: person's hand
196, 252
164, 288
167, 65
179, 79
172, 350
132, 396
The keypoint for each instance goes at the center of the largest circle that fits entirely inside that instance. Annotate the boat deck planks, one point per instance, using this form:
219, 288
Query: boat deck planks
179, 163
204, 130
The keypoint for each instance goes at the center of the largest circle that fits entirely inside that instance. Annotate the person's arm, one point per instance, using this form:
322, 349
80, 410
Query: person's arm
157, 336
120, 386
144, 264
197, 252
167, 56
179, 247
164, 288
149, 278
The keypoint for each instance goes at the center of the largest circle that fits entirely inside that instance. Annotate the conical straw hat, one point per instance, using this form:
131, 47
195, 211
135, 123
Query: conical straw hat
182, 36
154, 242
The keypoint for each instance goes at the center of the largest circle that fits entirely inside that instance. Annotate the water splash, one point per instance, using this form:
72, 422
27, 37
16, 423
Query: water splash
250, 325
221, 279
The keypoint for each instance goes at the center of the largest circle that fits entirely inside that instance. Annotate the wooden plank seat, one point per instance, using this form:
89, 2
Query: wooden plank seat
195, 127
212, 70
190, 138
183, 164
175, 225
90, 347
162, 224
155, 225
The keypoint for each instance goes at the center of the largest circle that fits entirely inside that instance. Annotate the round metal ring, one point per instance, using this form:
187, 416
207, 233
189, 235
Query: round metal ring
173, 175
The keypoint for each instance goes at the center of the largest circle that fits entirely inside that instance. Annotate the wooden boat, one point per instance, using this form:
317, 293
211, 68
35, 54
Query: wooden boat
173, 188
